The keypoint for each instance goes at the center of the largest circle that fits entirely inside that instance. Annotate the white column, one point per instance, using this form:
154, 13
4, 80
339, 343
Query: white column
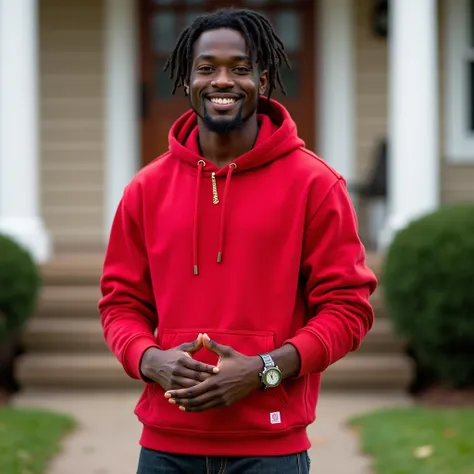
336, 76
122, 114
413, 176
19, 145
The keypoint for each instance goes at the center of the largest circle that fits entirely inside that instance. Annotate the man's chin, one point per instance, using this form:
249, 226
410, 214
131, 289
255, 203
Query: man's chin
222, 125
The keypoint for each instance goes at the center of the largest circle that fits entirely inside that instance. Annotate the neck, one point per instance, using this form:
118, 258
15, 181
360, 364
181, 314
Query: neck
222, 149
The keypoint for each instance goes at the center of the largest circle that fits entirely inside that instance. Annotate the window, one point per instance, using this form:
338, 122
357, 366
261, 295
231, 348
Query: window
459, 93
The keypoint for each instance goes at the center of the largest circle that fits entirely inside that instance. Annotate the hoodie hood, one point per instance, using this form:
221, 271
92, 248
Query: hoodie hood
276, 138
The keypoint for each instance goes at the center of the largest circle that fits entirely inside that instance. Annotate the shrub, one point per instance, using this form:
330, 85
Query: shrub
19, 286
428, 279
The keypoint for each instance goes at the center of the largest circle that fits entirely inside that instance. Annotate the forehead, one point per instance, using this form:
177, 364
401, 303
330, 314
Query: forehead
223, 42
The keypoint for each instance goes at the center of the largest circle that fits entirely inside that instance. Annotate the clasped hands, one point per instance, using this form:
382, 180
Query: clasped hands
194, 386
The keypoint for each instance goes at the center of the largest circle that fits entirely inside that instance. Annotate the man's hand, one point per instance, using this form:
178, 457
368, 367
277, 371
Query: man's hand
175, 368
238, 376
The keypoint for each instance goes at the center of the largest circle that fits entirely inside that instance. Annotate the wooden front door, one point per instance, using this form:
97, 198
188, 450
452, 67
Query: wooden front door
161, 23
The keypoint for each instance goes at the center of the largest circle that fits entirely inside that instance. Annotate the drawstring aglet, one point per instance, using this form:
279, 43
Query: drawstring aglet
219, 257
196, 271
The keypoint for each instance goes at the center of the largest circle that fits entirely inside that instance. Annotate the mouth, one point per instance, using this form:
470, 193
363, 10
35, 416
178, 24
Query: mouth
221, 102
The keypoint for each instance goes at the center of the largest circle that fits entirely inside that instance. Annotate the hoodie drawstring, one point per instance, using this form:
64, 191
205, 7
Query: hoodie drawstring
220, 249
201, 164
232, 167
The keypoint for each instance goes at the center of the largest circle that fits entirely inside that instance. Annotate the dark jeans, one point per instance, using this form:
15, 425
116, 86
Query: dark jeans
155, 462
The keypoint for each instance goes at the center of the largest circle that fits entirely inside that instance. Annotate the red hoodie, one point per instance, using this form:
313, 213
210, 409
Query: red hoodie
266, 253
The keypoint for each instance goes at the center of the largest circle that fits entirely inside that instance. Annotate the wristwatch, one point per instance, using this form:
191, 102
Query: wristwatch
271, 374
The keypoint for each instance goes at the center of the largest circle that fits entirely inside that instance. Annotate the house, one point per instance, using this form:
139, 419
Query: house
84, 104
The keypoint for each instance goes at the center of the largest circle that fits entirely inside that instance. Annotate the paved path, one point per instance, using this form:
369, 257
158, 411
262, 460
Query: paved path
106, 439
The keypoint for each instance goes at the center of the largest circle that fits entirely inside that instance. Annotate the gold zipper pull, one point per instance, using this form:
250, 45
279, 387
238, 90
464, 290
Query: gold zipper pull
215, 195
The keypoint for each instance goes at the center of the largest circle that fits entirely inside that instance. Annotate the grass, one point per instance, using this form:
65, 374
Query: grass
29, 438
419, 440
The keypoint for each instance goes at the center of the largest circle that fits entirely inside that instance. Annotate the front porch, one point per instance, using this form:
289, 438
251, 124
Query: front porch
69, 146
76, 138
66, 349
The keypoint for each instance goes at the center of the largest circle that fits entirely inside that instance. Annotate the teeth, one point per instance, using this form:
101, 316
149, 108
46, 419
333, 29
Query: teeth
218, 100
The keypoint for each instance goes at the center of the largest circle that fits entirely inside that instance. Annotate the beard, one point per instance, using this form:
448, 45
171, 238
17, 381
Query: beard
223, 125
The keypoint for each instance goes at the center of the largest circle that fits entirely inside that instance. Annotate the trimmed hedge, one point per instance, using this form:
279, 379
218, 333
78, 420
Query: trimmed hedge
428, 280
19, 286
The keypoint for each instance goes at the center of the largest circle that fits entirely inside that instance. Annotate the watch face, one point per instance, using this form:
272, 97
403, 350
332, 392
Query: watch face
272, 377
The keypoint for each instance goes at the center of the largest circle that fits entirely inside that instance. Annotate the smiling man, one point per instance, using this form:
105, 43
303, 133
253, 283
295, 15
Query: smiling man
234, 274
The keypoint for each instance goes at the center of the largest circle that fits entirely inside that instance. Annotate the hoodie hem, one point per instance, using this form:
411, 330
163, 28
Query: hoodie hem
218, 444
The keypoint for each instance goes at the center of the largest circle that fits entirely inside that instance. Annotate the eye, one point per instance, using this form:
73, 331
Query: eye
242, 70
205, 69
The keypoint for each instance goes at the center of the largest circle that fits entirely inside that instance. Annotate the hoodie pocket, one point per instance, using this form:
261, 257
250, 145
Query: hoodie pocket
260, 411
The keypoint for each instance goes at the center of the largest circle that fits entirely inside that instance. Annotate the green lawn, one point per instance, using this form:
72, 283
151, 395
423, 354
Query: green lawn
28, 439
419, 440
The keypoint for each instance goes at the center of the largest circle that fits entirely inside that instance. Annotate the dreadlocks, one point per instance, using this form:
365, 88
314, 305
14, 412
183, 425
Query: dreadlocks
265, 47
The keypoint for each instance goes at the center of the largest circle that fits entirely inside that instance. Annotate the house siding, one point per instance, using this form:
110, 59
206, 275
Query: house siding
456, 181
371, 59
72, 120
72, 133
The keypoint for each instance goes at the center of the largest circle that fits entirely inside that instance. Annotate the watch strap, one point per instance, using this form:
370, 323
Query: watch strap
267, 360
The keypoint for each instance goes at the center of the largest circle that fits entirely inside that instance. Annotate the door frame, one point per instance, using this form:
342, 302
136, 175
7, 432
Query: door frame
122, 147
309, 82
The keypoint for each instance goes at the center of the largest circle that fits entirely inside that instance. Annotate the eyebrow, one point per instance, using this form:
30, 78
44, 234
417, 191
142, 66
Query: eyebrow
210, 57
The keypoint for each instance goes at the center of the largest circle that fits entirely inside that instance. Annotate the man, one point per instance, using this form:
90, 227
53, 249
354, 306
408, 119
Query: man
234, 274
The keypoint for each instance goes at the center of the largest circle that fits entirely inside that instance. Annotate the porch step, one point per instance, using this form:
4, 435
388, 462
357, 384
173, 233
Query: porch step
73, 268
374, 261
369, 372
382, 339
65, 344
65, 370
78, 301
48, 335
78, 268
377, 302
84, 268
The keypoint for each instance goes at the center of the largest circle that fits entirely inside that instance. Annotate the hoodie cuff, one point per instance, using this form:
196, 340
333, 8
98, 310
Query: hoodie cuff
314, 355
133, 356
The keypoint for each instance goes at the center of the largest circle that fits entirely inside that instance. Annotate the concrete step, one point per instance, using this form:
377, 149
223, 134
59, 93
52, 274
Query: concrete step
360, 371
73, 268
378, 304
382, 339
65, 370
78, 301
84, 268
374, 261
47, 335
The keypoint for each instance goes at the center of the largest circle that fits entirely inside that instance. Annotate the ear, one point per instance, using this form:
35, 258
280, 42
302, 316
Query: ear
186, 89
263, 83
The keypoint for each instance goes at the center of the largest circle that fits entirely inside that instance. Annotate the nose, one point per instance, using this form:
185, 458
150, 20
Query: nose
222, 79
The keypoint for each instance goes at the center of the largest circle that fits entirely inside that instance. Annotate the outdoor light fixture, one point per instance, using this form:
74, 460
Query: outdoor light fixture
380, 17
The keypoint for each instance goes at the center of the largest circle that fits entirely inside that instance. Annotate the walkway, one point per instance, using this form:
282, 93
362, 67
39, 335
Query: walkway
105, 441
